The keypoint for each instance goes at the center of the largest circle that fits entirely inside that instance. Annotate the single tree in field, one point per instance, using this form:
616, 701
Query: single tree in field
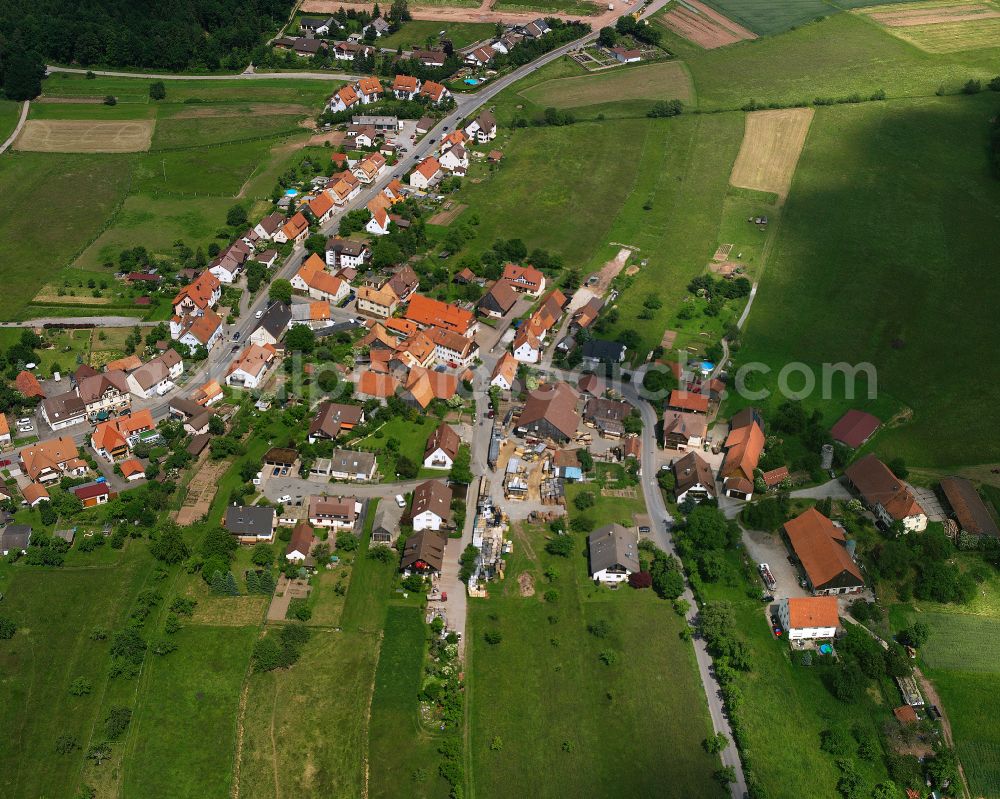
157, 90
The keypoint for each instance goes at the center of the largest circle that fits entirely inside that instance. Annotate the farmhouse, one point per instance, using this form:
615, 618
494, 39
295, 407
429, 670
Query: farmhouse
625, 56
251, 523
116, 438
885, 495
744, 446
423, 552
810, 617
442, 447
688, 401
525, 279
968, 508
693, 479
428, 312
683, 430
431, 508
614, 553
498, 300
821, 547
52, 459
550, 412
379, 302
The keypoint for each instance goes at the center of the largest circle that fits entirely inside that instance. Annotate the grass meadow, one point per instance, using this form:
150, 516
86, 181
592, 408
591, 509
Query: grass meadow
543, 699
401, 750
10, 112
962, 659
182, 738
842, 55
666, 80
57, 610
36, 248
867, 255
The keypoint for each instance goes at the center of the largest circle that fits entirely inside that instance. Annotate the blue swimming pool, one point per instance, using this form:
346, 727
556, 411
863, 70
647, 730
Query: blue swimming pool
472, 81
291, 192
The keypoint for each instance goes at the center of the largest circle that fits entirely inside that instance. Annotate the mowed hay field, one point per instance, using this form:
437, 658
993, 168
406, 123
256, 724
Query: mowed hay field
940, 27
85, 136
881, 244
667, 80
771, 146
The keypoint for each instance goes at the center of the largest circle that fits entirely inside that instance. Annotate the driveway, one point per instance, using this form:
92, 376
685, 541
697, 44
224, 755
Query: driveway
832, 489
770, 549
298, 488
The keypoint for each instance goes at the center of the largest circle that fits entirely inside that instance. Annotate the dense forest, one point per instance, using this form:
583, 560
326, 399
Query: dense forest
154, 34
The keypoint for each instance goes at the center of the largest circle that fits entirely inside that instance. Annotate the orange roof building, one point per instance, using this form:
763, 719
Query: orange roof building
809, 617
744, 446
428, 312
132, 469
688, 401
376, 385
51, 459
821, 548
27, 384
406, 84
115, 438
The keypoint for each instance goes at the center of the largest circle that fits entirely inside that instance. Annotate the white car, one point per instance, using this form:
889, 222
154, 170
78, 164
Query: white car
400, 501
285, 498
258, 315
25, 420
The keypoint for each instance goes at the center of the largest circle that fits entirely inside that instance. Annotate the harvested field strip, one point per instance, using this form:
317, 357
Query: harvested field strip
704, 26
934, 16
85, 136
771, 146
952, 37
664, 81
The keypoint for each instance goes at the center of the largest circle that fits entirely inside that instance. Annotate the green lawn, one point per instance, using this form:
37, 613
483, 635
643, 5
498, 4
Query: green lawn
666, 80
89, 111
34, 249
543, 699
416, 33
189, 698
843, 55
970, 702
411, 436
57, 610
402, 747
882, 230
215, 171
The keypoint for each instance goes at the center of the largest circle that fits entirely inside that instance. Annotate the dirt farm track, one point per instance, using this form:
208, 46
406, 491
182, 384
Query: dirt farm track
85, 136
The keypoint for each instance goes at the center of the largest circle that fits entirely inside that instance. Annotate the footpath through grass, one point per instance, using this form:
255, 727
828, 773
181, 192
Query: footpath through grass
881, 232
